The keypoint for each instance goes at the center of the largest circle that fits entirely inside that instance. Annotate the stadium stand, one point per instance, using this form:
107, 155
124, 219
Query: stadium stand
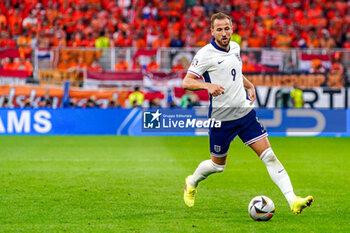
78, 36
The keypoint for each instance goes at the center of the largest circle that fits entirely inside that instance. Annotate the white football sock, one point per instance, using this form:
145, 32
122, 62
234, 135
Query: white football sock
278, 174
203, 170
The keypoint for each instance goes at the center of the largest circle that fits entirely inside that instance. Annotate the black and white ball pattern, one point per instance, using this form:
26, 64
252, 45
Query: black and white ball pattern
261, 208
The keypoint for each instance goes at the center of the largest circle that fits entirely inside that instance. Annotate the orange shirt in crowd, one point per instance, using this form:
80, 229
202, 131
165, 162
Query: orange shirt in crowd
248, 67
178, 68
283, 41
152, 66
159, 43
313, 43
255, 42
136, 65
25, 65
140, 43
64, 65
7, 65
7, 43
119, 66
24, 44
3, 20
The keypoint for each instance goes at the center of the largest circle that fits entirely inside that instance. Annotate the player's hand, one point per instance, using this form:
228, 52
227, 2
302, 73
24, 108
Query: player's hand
251, 94
215, 89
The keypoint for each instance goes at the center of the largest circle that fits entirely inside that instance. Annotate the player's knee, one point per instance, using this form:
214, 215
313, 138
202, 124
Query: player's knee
268, 155
218, 168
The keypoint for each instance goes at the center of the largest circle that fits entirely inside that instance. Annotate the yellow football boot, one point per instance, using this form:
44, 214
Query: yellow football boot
189, 193
300, 203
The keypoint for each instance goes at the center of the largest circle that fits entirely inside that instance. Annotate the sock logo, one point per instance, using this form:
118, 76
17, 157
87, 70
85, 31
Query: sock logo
281, 170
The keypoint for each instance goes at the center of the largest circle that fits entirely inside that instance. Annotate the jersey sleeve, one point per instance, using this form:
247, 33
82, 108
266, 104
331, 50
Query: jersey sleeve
200, 64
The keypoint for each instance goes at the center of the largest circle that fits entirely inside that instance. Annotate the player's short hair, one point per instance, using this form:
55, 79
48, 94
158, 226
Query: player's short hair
219, 15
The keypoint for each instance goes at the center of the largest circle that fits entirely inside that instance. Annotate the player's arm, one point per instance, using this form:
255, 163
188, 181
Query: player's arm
251, 89
190, 83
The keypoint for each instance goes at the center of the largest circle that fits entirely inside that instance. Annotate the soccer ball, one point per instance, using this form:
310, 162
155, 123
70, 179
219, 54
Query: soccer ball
261, 208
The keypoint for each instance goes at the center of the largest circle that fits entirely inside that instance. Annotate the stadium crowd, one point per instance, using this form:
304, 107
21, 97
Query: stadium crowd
175, 23
282, 24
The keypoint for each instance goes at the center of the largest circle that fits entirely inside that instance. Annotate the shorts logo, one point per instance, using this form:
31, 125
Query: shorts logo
261, 125
217, 148
151, 120
195, 62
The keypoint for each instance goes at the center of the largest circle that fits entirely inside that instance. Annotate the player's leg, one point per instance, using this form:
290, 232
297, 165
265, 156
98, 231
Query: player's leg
279, 175
204, 169
275, 169
220, 140
254, 135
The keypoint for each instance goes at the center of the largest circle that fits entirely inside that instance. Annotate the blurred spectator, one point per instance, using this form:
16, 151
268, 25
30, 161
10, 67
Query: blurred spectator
72, 103
95, 66
317, 66
346, 44
297, 95
155, 103
4, 102
113, 102
139, 41
136, 65
248, 66
178, 66
7, 63
161, 41
176, 41
152, 65
3, 20
65, 63
43, 40
289, 66
136, 98
30, 20
102, 41
284, 98
77, 40
337, 67
122, 40
6, 41
24, 44
283, 40
326, 40
189, 99
313, 40
150, 23
91, 102
23, 64
122, 64
299, 41
80, 65
59, 40
255, 41
89, 41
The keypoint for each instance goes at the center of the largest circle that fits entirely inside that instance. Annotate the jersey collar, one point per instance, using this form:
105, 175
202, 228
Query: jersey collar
219, 48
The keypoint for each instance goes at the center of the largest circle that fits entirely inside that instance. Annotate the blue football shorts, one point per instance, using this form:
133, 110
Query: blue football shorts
248, 128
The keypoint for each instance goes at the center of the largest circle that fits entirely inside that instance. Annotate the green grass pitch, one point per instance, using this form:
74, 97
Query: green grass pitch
135, 184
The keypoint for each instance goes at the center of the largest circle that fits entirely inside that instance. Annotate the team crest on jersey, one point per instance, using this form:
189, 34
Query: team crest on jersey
195, 62
217, 148
238, 57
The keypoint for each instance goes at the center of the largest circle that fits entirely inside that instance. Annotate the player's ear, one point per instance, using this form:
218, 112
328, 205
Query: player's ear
212, 31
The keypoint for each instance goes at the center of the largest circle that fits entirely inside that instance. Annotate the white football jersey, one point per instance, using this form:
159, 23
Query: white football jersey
222, 67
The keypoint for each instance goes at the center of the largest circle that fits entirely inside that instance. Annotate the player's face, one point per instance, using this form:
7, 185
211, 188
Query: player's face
222, 31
